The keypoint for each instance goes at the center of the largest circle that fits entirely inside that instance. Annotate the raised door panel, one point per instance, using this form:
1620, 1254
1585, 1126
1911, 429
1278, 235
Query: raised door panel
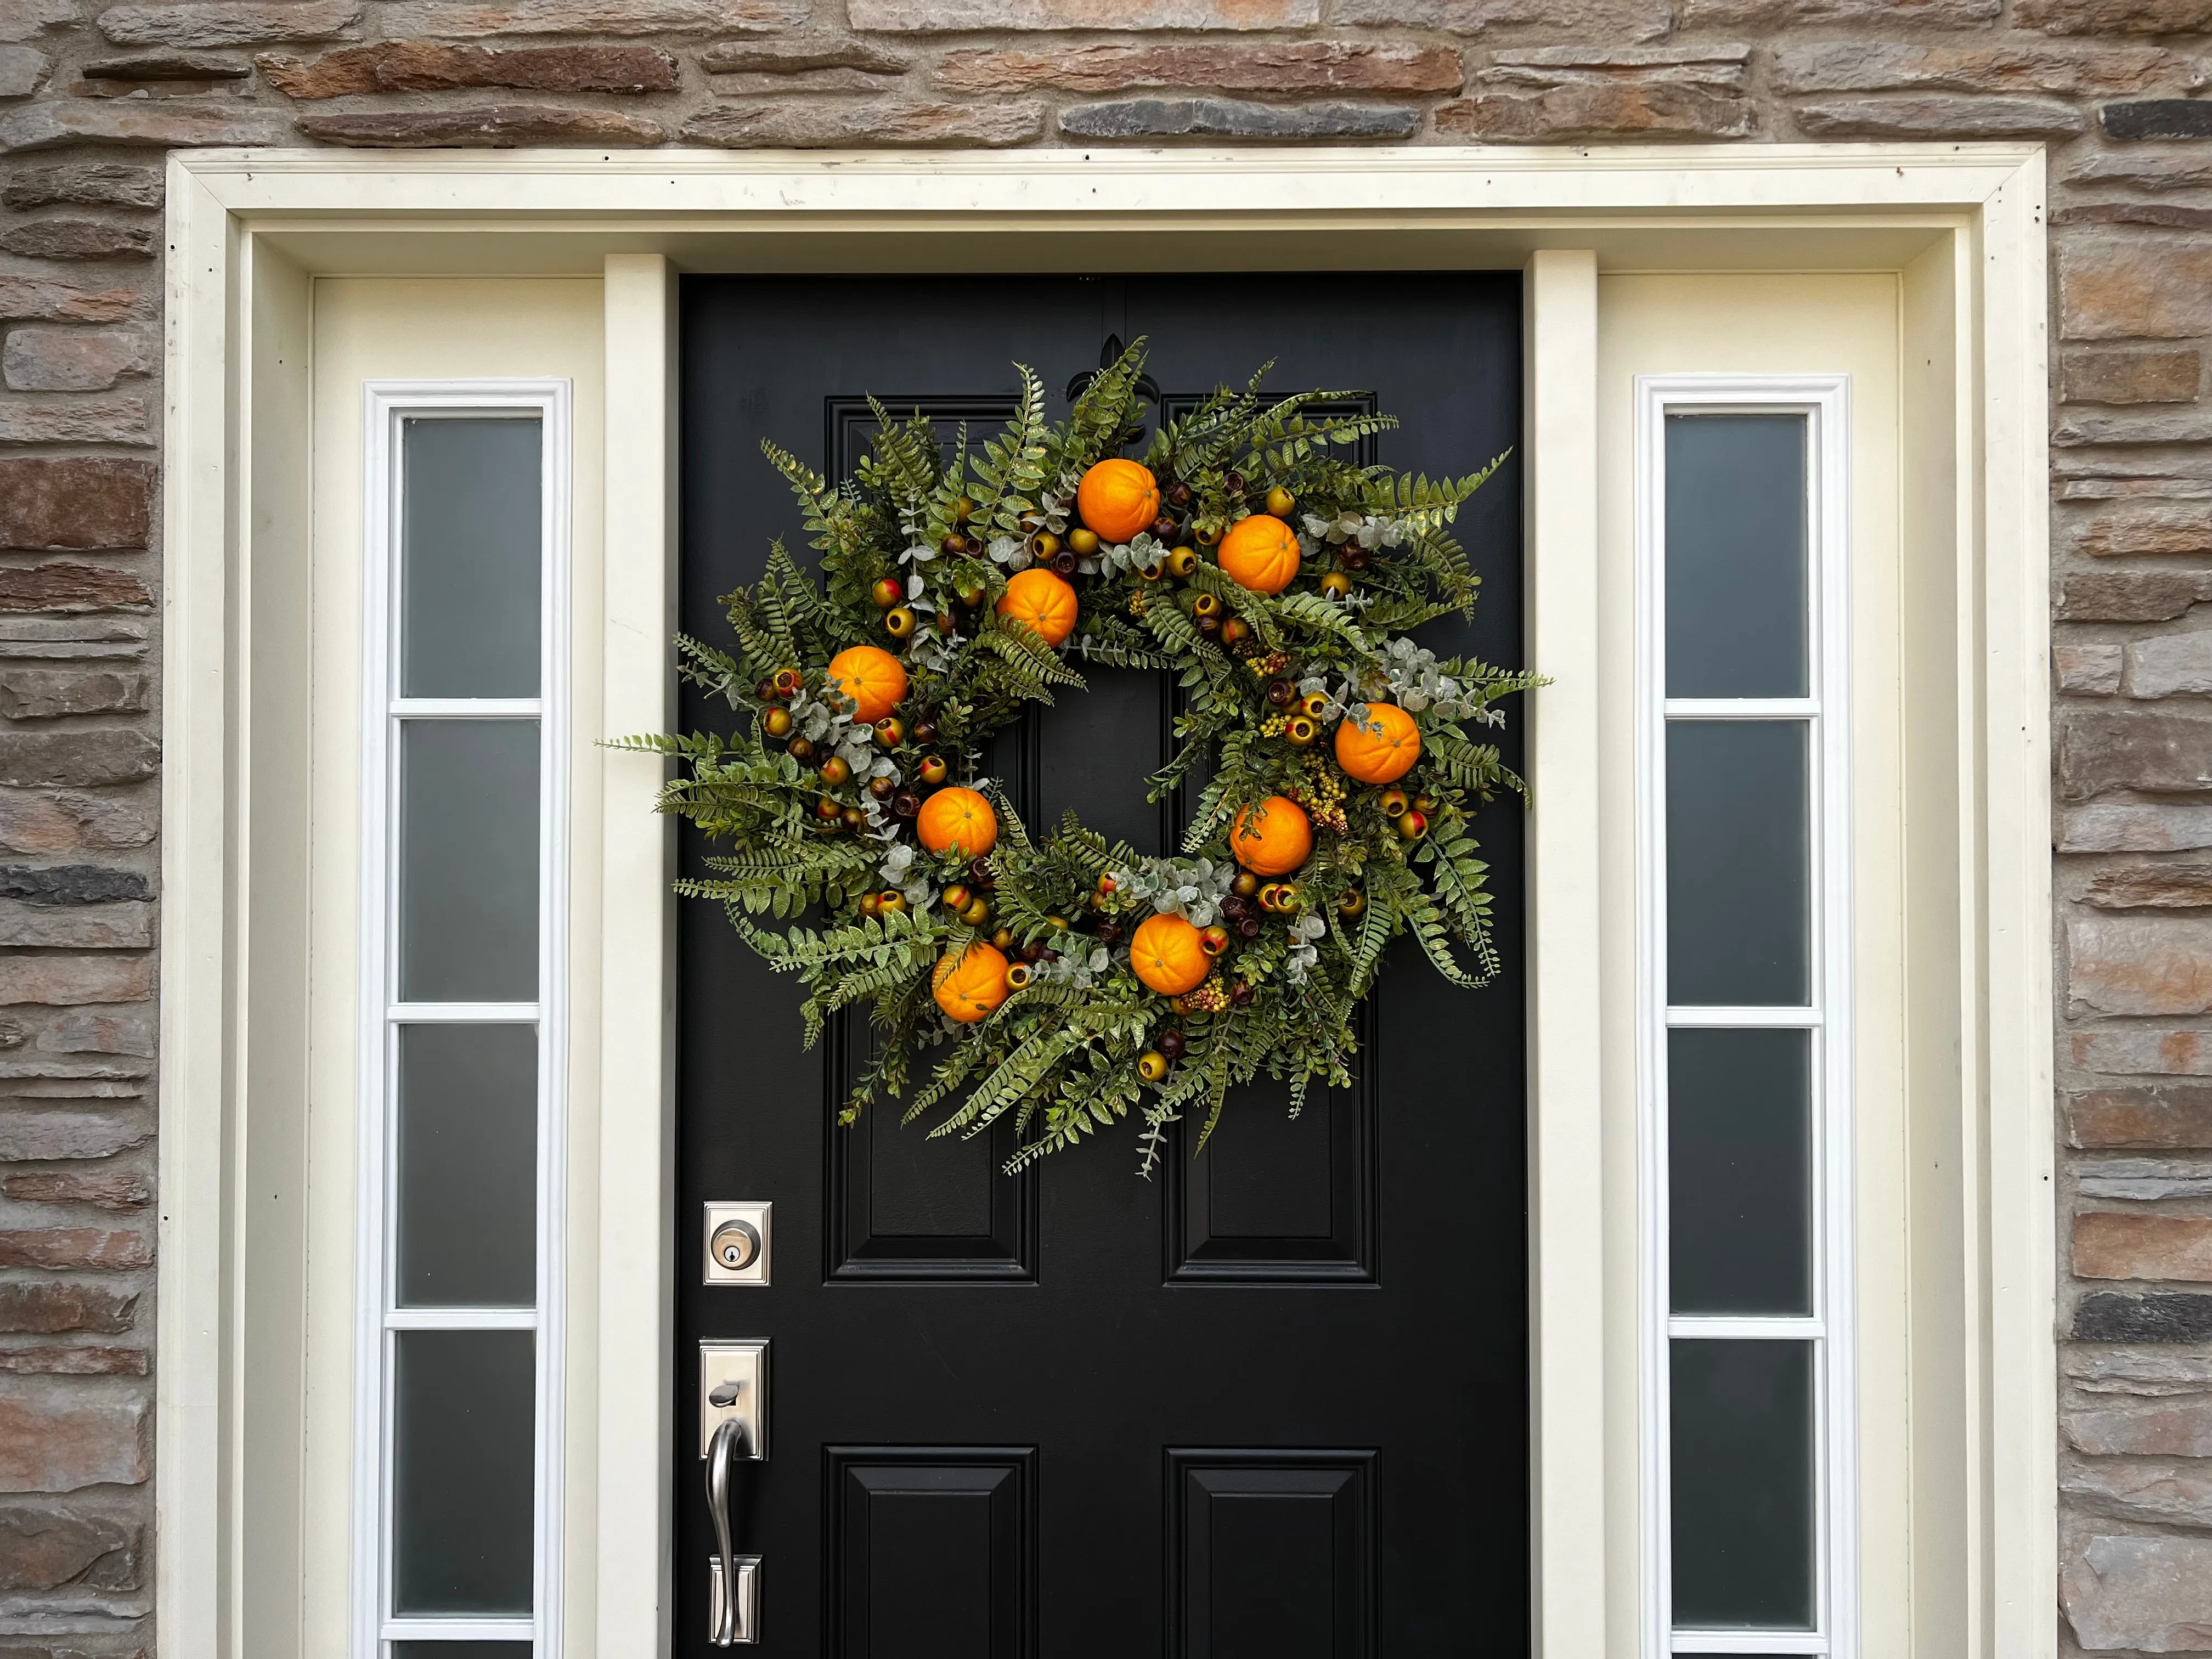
931, 1552
1272, 1554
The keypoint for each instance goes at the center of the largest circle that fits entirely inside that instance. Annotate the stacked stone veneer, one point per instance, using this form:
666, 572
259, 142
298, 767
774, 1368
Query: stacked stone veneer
91, 93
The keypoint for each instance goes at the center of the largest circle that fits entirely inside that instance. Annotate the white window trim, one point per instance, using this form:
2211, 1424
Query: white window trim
386, 405
249, 229
1824, 400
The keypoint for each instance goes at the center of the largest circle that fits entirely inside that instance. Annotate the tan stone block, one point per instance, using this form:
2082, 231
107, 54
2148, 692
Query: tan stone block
2166, 216
47, 1309
67, 585
1272, 67
1887, 65
502, 126
2140, 964
2166, 1493
1939, 117
810, 125
426, 66
1773, 15
53, 1438
2144, 527
794, 57
25, 20
90, 184
807, 81
2085, 669
75, 1359
2132, 1052
2162, 1117
75, 927
35, 694
2171, 665
2108, 1245
2115, 16
62, 820
949, 16
81, 503
91, 121
58, 980
2152, 887
73, 1247
1606, 109
106, 1189
90, 421
2163, 752
2159, 427
47, 1135
45, 300
77, 358
2147, 289
230, 22
2131, 377
467, 19
2180, 1429
78, 240
2132, 595
2143, 1594
2134, 826
2145, 166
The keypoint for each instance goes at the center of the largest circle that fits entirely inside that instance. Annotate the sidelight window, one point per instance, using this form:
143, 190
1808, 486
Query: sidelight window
1744, 1048
458, 1390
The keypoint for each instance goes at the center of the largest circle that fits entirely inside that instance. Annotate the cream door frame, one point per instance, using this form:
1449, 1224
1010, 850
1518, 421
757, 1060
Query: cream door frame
249, 229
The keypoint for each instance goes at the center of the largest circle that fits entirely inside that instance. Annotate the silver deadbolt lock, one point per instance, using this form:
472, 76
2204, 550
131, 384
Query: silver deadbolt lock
737, 1243
735, 1246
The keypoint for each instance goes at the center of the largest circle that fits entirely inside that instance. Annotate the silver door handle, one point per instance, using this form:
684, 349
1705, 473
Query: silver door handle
733, 1597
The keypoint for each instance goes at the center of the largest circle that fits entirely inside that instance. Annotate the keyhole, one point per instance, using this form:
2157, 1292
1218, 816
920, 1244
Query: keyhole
736, 1245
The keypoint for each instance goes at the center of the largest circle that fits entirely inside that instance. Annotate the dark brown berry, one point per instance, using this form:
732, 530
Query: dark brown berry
1353, 558
1247, 928
1178, 495
955, 545
1240, 995
1164, 528
906, 805
1233, 483
1279, 693
1032, 951
924, 732
1110, 933
1064, 562
1171, 1043
767, 690
882, 788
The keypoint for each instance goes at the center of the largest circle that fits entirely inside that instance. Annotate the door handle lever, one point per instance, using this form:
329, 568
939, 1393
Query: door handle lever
733, 1589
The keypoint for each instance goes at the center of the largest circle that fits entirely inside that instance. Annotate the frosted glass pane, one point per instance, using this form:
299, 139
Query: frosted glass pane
1742, 1444
471, 561
1740, 1159
468, 861
467, 1212
1737, 620
463, 1471
1739, 856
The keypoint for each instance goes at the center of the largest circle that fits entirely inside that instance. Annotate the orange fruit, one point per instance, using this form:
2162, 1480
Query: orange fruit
1261, 553
957, 818
970, 987
1382, 756
1118, 498
871, 677
1273, 838
1043, 600
1169, 954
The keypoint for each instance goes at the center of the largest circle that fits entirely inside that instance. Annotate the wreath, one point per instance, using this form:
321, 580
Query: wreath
1060, 978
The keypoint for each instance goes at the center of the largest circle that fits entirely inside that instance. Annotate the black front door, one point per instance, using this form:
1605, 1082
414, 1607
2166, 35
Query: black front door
1271, 1403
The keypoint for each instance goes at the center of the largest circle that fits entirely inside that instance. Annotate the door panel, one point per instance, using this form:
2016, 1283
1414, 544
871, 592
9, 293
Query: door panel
991, 1392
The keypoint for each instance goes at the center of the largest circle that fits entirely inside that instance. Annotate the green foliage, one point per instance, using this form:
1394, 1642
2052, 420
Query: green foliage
821, 875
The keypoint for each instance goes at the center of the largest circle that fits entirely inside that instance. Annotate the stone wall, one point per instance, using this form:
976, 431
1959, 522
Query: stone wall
90, 93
